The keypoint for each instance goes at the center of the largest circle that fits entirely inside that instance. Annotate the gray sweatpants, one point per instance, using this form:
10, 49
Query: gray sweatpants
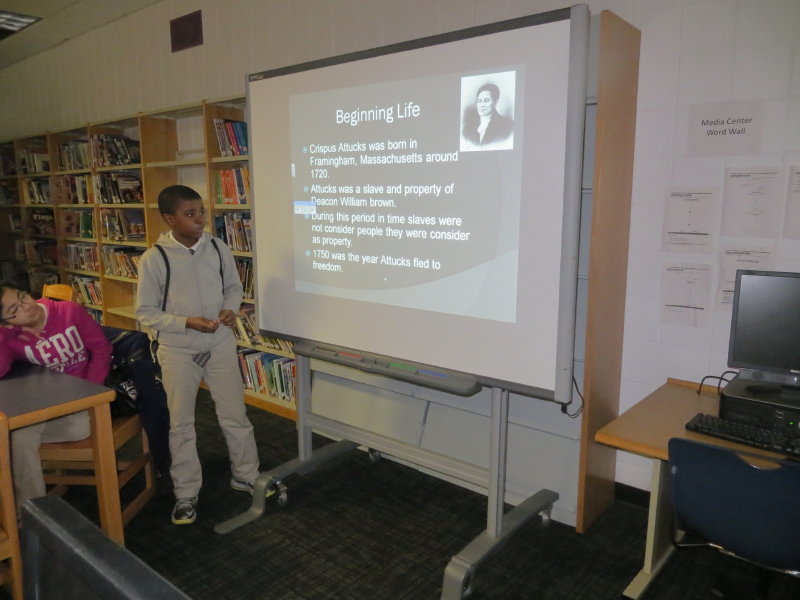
182, 376
25, 462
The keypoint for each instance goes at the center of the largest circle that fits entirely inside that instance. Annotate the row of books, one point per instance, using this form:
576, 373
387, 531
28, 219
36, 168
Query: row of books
233, 186
74, 155
8, 164
33, 159
122, 262
231, 137
267, 373
118, 188
246, 275
36, 252
9, 194
39, 278
87, 289
38, 191
122, 224
41, 221
114, 150
71, 189
82, 257
14, 223
234, 228
77, 223
247, 332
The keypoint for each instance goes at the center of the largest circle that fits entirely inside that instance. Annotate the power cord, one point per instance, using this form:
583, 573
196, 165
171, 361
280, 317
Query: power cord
720, 379
564, 408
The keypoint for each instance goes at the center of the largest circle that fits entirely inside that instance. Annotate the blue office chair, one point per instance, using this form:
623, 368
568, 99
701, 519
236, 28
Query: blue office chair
724, 502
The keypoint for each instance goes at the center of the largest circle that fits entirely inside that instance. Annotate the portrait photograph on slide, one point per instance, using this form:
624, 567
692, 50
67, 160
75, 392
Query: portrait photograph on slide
488, 111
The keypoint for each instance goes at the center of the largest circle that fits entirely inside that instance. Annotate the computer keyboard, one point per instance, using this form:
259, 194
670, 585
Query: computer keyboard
745, 434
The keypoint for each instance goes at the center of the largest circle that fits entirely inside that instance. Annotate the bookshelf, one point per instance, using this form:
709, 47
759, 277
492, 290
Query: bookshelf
80, 206
11, 250
38, 247
230, 214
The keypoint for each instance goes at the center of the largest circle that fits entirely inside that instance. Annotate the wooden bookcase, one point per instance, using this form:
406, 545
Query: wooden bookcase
11, 258
87, 199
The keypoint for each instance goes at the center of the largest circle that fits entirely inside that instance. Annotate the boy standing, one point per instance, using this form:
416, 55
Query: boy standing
196, 342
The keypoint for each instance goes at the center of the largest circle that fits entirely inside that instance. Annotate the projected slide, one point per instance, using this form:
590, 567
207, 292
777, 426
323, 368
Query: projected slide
407, 192
410, 200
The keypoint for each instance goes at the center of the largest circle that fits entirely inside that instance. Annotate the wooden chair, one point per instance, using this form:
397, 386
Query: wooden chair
72, 463
11, 570
57, 291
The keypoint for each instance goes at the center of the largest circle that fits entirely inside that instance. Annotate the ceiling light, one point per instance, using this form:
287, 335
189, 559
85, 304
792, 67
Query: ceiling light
13, 22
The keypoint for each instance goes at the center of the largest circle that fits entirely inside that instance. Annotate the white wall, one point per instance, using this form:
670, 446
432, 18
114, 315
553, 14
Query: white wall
693, 52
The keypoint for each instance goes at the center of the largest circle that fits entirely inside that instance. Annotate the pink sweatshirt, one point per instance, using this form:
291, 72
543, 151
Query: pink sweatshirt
70, 343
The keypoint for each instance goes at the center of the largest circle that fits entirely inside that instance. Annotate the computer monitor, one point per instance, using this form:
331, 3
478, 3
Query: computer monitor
765, 327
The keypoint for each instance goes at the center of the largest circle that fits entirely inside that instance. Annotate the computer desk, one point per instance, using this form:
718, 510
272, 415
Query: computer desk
645, 429
31, 394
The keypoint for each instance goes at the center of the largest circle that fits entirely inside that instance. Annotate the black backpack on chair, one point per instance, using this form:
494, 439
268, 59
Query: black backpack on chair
128, 347
134, 378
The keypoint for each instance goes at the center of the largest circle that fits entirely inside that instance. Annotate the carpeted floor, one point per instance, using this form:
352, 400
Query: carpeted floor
354, 530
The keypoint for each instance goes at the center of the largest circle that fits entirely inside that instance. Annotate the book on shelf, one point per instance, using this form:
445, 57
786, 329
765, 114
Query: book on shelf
87, 224
40, 252
74, 155
132, 220
244, 266
267, 373
119, 188
96, 314
9, 193
114, 150
38, 191
8, 164
87, 289
110, 225
82, 257
33, 159
248, 332
38, 279
235, 230
41, 221
71, 189
231, 137
9, 270
14, 223
233, 186
122, 224
71, 223
121, 261
20, 251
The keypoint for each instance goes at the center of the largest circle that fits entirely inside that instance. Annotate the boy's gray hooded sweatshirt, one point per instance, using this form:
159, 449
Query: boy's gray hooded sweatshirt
195, 290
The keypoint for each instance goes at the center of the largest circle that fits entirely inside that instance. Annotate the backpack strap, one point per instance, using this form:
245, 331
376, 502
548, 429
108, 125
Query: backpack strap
154, 345
166, 264
166, 283
219, 254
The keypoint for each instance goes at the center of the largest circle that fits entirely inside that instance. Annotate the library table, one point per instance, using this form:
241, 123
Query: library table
645, 429
31, 394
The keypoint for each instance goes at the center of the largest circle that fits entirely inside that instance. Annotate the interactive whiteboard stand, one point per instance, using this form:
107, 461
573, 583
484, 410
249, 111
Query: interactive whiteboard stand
459, 573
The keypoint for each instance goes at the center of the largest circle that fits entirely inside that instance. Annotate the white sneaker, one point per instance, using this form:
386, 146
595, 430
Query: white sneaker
244, 486
185, 511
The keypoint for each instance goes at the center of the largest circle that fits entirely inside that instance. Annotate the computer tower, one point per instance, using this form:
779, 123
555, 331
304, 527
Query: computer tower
768, 405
